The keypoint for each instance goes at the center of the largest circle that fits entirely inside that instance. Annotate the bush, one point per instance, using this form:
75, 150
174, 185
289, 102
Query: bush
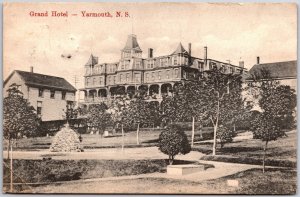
173, 141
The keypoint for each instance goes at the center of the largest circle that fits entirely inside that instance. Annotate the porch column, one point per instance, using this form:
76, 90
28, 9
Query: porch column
159, 90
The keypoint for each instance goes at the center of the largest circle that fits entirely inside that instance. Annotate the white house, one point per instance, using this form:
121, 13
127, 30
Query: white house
49, 95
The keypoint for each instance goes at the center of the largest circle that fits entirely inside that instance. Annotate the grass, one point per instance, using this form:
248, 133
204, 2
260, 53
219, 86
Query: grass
148, 137
48, 171
275, 181
251, 151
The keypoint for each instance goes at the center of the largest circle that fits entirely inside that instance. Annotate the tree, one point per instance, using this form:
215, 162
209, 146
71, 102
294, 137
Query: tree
117, 110
98, 117
153, 113
136, 113
225, 135
277, 102
193, 103
19, 117
173, 141
267, 128
223, 98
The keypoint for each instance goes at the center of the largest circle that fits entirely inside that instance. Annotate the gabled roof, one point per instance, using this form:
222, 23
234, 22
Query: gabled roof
43, 81
179, 49
92, 61
278, 70
132, 43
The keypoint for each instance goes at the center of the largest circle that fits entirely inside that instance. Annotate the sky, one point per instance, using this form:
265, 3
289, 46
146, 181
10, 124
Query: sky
61, 46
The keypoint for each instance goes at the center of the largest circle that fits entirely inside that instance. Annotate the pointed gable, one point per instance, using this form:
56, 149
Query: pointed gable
180, 50
92, 61
132, 44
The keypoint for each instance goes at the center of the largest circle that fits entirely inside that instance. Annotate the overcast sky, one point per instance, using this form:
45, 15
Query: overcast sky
230, 31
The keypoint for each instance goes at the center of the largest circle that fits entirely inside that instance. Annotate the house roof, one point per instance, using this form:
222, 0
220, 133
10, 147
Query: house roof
92, 61
44, 81
278, 70
180, 49
132, 43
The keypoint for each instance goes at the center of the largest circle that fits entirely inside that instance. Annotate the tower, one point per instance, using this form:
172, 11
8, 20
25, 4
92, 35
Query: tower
132, 48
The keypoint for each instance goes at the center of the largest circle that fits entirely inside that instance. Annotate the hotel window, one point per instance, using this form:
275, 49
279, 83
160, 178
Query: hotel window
87, 71
114, 79
63, 95
186, 61
52, 94
175, 61
137, 64
201, 67
87, 81
121, 77
39, 108
137, 77
108, 80
167, 74
147, 76
94, 81
127, 77
41, 92
122, 66
177, 73
152, 75
159, 75
100, 80
184, 74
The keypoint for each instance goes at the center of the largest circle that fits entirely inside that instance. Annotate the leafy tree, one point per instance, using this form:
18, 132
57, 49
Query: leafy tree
223, 98
153, 113
173, 141
136, 113
19, 117
193, 103
277, 102
267, 128
117, 111
225, 135
98, 117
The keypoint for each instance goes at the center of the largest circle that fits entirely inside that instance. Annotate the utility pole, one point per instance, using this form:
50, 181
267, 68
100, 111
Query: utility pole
76, 81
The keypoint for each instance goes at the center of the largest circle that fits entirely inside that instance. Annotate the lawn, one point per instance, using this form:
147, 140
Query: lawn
49, 171
273, 181
283, 149
148, 137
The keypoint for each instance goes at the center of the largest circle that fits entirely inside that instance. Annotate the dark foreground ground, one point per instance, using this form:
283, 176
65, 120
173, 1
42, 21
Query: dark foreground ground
253, 181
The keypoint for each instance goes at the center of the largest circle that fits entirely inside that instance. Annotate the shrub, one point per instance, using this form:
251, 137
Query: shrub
173, 141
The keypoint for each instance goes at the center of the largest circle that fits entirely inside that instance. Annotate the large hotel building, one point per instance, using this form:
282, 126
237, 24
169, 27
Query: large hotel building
156, 75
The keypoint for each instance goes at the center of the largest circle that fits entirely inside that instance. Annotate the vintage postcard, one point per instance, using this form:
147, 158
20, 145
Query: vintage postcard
150, 98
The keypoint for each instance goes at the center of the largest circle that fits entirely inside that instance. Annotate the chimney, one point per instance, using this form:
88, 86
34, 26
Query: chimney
190, 49
257, 60
150, 53
31, 69
205, 55
241, 64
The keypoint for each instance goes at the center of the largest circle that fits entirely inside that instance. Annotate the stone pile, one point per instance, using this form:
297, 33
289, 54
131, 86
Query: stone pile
66, 140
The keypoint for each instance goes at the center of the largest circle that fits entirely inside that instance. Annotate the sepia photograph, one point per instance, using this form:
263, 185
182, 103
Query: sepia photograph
149, 98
